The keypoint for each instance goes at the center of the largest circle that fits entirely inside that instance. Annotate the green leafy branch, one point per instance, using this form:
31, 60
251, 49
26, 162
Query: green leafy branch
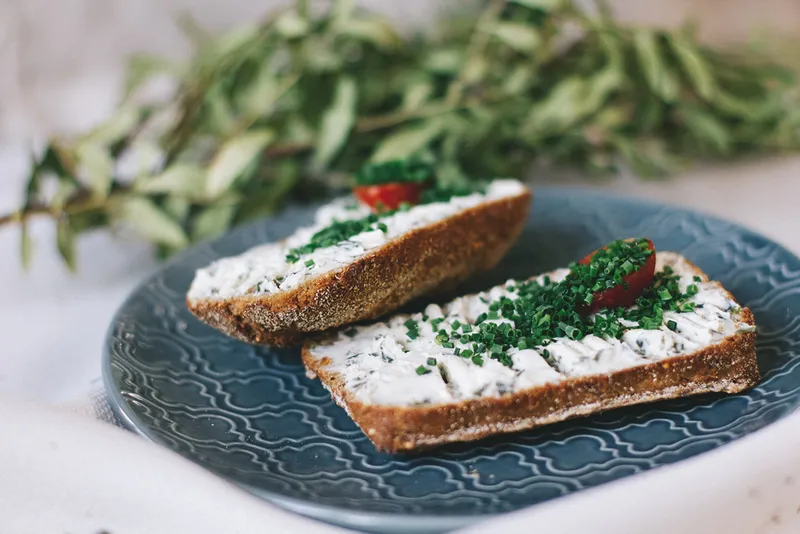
293, 106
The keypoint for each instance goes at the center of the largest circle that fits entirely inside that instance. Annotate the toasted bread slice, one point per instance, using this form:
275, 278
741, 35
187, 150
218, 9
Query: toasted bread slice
260, 297
409, 393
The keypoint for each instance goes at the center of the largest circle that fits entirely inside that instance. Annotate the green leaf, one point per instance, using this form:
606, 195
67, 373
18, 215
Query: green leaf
65, 241
143, 67
97, 165
518, 79
297, 131
475, 69
260, 96
117, 127
647, 157
33, 183
177, 207
519, 36
228, 43
66, 188
707, 129
291, 25
221, 117
375, 30
320, 57
614, 116
570, 101
341, 13
416, 95
233, 157
25, 246
151, 222
560, 108
444, 61
656, 72
408, 141
213, 221
544, 5
749, 110
185, 180
336, 123
88, 220
695, 67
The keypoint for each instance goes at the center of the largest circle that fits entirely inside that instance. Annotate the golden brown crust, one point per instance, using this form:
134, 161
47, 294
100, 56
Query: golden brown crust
435, 256
729, 366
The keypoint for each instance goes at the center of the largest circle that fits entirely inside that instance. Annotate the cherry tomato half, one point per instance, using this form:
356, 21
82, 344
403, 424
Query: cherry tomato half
389, 196
637, 282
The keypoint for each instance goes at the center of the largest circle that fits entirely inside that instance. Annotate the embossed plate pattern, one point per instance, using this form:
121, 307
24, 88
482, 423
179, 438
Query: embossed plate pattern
251, 415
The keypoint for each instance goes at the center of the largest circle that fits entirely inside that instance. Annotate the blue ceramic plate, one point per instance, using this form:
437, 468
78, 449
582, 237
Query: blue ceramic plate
251, 415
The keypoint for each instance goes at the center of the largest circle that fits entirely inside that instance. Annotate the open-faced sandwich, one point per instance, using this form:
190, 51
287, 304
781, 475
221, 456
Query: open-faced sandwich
622, 326
401, 236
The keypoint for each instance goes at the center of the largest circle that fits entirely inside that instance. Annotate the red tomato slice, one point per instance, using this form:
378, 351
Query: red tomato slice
389, 196
619, 296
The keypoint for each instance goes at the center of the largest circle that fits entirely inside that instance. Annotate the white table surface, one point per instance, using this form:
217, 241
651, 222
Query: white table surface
54, 323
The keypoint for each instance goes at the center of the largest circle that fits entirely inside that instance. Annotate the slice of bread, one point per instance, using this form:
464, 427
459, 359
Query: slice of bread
427, 248
379, 376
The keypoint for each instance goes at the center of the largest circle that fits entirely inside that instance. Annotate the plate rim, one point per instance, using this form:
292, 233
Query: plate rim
383, 521
421, 523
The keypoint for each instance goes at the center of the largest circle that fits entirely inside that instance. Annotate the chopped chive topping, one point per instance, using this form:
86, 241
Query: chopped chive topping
309, 263
340, 231
431, 361
402, 170
697, 279
422, 370
413, 329
541, 312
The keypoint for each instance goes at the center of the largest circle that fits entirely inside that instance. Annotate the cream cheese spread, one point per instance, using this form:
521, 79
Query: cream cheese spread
380, 362
265, 270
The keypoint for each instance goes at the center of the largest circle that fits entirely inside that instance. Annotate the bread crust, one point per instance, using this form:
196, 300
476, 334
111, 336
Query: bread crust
438, 255
729, 366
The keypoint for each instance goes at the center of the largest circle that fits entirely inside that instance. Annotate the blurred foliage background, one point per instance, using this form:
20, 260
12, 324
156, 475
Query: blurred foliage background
290, 107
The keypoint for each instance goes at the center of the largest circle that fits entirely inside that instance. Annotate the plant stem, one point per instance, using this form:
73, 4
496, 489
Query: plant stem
80, 202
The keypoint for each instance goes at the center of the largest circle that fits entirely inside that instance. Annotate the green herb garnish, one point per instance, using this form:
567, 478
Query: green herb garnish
403, 171
543, 312
413, 329
340, 231
334, 234
422, 370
